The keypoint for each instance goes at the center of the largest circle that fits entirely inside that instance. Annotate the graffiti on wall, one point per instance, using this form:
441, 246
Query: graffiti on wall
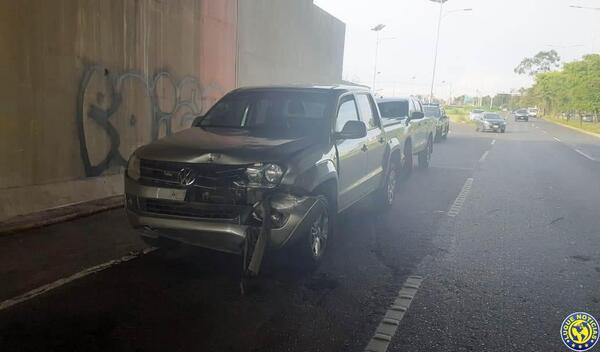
119, 111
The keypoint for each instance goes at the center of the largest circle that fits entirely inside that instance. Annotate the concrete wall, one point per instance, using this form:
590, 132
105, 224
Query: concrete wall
86, 81
288, 41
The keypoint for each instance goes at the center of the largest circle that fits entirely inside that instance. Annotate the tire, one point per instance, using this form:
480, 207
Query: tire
425, 155
407, 165
438, 135
313, 245
503, 130
445, 135
384, 197
477, 129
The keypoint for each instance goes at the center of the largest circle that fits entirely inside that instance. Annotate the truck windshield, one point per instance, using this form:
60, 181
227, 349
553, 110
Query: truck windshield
393, 109
491, 117
271, 112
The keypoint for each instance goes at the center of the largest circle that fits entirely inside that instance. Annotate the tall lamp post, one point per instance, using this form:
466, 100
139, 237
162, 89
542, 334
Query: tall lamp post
376, 29
437, 40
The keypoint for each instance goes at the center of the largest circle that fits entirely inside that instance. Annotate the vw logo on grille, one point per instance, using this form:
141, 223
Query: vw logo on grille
186, 177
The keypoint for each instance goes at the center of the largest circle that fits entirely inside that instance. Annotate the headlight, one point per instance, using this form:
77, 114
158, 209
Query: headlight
133, 167
273, 173
264, 175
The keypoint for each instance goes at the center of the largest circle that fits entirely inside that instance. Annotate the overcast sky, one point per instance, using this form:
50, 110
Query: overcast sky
478, 49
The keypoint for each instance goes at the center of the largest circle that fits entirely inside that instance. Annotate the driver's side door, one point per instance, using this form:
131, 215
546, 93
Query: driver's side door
352, 154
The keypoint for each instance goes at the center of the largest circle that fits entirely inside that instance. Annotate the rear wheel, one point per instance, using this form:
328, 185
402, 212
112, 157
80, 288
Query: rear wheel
407, 164
445, 135
386, 194
425, 155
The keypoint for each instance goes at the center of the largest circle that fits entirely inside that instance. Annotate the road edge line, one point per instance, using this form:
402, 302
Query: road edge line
573, 128
61, 282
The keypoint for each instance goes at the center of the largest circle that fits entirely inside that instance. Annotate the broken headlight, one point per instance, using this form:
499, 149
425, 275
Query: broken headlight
264, 175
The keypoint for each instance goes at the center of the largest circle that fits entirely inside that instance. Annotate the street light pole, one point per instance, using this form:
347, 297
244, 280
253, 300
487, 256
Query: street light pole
376, 29
437, 41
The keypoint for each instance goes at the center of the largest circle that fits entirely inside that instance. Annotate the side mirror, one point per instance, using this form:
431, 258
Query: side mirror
416, 115
352, 130
197, 120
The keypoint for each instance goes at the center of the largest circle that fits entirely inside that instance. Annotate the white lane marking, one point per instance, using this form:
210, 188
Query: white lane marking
493, 142
544, 131
484, 156
460, 199
584, 154
556, 139
60, 282
391, 320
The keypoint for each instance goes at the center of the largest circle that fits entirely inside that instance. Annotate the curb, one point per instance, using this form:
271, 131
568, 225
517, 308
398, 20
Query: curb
574, 128
43, 218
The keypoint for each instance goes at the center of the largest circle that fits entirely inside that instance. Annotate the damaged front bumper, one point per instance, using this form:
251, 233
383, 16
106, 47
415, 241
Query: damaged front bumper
164, 212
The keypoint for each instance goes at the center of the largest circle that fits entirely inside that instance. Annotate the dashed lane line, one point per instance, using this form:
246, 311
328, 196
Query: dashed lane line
60, 282
461, 198
484, 156
493, 142
556, 139
584, 154
391, 320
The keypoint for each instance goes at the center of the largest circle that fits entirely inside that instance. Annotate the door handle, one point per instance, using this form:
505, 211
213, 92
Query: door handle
364, 148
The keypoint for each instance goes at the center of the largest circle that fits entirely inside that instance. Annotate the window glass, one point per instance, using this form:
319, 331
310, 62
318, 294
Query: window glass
366, 112
276, 113
393, 109
346, 112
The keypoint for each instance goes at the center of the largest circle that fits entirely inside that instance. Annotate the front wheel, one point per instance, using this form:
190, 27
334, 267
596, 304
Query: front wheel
425, 155
313, 245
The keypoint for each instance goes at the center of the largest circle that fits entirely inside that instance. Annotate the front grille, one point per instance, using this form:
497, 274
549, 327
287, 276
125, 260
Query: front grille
166, 174
193, 210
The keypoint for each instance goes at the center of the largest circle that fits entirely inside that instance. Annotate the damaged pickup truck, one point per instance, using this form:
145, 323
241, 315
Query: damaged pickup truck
264, 169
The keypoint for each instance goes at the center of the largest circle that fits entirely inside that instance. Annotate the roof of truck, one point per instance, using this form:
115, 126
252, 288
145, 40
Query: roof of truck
339, 87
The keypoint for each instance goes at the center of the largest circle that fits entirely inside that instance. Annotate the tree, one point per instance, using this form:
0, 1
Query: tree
544, 61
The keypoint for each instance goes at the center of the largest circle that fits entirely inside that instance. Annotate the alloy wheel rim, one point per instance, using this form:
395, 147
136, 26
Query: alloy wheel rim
318, 234
391, 189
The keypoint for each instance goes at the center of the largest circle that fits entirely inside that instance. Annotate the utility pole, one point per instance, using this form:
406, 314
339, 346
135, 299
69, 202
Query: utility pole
376, 29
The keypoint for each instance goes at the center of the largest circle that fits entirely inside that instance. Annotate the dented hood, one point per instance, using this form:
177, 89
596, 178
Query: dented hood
222, 146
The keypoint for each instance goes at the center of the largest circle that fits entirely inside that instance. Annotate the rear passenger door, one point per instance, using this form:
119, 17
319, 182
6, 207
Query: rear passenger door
376, 142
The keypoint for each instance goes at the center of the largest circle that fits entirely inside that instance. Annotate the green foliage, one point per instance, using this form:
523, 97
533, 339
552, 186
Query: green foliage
459, 114
574, 88
544, 61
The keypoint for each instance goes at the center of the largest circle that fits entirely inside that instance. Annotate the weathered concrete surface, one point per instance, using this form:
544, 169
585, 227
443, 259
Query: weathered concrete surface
288, 42
85, 82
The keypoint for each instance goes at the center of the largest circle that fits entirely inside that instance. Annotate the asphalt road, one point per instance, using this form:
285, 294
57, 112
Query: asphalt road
501, 271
